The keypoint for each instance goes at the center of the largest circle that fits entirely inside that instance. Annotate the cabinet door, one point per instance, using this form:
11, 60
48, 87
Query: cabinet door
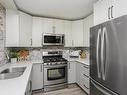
25, 29
59, 26
37, 76
119, 8
71, 72
88, 23
48, 25
68, 34
77, 33
101, 11
12, 28
37, 29
78, 73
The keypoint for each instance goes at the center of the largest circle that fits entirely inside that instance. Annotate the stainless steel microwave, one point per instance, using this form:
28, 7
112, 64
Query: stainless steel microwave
53, 39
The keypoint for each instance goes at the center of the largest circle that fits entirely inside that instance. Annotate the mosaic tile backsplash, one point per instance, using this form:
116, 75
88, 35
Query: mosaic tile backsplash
2, 35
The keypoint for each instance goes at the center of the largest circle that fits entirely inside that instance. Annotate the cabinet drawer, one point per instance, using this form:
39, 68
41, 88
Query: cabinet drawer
84, 88
84, 84
85, 70
85, 80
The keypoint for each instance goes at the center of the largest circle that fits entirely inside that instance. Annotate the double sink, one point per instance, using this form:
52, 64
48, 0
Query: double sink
12, 72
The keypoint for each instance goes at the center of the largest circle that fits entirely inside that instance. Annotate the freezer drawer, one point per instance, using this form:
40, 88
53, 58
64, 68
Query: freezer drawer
97, 89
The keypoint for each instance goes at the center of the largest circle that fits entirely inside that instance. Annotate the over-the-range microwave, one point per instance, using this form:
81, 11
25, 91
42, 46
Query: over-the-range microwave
53, 39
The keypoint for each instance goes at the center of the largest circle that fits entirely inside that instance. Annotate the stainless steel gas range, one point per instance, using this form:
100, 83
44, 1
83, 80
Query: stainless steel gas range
55, 70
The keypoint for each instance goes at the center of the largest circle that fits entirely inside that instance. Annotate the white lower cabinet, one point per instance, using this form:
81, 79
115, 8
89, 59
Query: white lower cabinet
82, 76
29, 87
71, 72
37, 76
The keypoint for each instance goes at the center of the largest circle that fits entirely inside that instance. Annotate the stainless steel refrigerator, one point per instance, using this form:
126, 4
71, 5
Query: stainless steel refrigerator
108, 58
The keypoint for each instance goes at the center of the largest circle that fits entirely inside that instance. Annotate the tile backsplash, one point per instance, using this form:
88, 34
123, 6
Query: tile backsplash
2, 35
36, 53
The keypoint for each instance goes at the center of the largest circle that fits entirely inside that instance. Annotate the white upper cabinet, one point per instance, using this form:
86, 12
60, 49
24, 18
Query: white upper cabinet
59, 26
48, 25
105, 10
37, 30
12, 28
18, 29
119, 8
68, 34
25, 29
101, 11
88, 23
77, 33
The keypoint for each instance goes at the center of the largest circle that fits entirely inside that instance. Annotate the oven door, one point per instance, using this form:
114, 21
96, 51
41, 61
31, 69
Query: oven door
55, 74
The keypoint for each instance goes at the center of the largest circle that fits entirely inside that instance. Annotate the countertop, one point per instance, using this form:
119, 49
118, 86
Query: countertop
83, 61
15, 86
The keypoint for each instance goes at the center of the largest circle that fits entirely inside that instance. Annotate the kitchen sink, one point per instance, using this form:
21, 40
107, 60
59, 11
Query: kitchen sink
10, 73
11, 70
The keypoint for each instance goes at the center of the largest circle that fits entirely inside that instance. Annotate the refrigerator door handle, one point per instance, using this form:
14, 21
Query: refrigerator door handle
104, 44
100, 89
97, 53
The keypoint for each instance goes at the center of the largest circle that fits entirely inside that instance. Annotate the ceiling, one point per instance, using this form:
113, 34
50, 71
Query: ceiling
64, 9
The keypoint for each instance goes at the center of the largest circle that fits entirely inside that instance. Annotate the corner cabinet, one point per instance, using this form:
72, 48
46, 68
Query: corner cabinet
105, 10
88, 23
68, 33
77, 33
18, 29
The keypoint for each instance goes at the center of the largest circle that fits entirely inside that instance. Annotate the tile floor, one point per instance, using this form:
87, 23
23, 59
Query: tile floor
75, 90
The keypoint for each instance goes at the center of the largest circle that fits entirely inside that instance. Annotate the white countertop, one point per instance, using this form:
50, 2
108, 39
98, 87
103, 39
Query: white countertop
83, 61
15, 86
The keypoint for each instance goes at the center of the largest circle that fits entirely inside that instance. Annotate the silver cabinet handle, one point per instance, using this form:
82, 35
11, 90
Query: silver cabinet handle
86, 86
111, 11
68, 65
104, 44
31, 41
30, 86
97, 53
72, 42
53, 29
86, 75
41, 67
86, 67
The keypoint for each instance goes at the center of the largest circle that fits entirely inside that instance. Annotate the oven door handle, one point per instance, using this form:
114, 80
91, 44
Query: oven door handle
55, 66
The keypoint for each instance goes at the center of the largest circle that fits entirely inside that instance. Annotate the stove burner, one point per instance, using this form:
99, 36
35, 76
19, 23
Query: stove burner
46, 60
